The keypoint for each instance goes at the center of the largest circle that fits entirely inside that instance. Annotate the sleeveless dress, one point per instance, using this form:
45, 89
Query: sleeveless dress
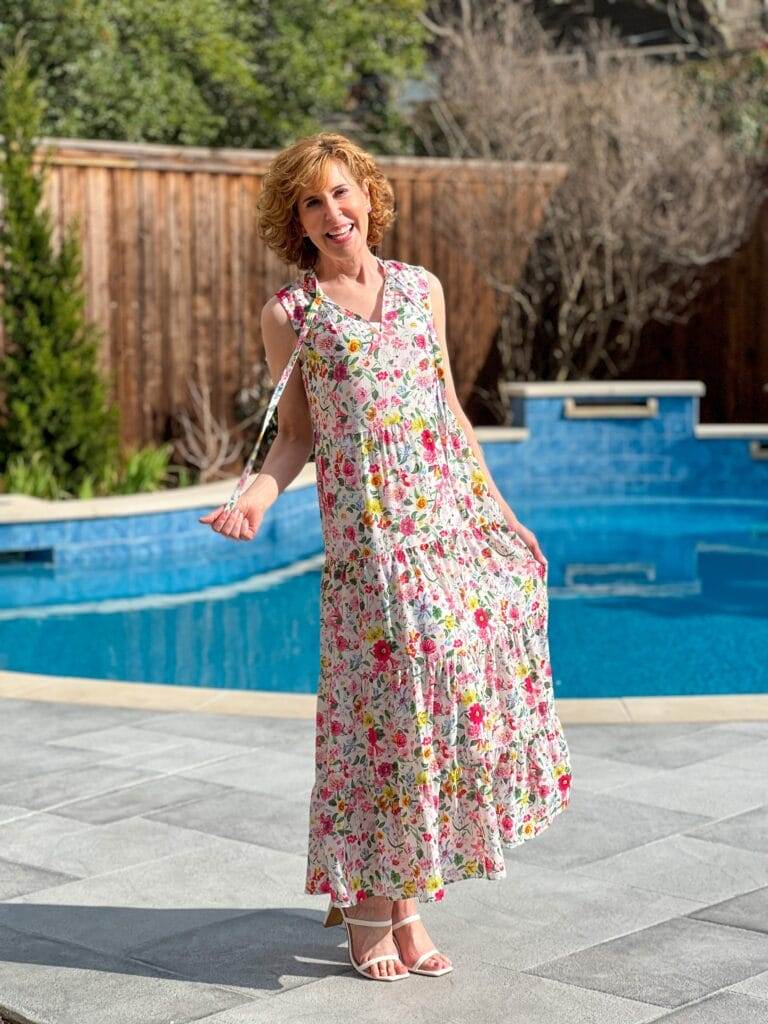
437, 740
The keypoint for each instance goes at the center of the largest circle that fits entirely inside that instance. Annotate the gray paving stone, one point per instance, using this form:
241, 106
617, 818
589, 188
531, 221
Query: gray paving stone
750, 910
727, 792
721, 1008
64, 844
49, 720
24, 758
140, 798
248, 730
263, 952
752, 757
536, 915
670, 745
268, 821
16, 879
668, 964
598, 825
57, 983
602, 774
748, 830
53, 791
474, 992
262, 771
681, 866
114, 912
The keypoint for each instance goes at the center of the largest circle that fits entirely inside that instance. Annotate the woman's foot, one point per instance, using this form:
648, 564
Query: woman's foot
370, 942
413, 938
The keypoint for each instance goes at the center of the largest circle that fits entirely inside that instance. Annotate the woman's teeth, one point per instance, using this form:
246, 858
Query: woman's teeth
341, 235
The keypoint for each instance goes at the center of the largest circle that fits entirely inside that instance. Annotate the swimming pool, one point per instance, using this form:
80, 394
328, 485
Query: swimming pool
647, 597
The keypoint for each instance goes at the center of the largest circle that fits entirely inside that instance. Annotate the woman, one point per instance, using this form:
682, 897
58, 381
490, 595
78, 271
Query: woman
437, 741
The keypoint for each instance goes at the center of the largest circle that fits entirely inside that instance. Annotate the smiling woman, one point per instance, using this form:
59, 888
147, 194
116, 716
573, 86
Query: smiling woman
437, 740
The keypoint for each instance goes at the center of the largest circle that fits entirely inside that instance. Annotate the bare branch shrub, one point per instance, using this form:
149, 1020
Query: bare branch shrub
655, 193
206, 444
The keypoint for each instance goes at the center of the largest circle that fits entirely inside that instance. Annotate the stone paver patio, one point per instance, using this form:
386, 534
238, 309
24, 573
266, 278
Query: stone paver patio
152, 868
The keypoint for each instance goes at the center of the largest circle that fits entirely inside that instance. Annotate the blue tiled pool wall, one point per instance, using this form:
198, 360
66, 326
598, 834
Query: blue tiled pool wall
604, 457
562, 459
165, 543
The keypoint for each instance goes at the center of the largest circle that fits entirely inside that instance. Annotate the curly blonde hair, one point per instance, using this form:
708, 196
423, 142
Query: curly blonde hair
306, 164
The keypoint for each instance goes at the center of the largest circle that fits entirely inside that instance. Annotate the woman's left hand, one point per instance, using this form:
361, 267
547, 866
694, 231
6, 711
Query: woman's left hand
527, 536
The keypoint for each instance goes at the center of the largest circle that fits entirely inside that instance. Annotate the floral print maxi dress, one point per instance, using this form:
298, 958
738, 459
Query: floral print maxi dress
437, 740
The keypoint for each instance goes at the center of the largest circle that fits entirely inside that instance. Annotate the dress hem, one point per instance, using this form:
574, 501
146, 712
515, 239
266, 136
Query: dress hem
425, 896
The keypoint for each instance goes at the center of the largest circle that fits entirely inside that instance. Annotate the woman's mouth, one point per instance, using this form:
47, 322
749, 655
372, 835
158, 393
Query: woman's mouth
340, 236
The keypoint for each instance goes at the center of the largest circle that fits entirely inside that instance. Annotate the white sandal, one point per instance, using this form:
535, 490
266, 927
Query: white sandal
417, 968
332, 917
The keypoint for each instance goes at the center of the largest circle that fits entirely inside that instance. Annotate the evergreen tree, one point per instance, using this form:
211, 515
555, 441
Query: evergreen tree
52, 399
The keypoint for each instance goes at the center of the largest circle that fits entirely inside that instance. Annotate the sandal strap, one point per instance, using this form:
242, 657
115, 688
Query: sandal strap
367, 924
406, 920
377, 959
424, 956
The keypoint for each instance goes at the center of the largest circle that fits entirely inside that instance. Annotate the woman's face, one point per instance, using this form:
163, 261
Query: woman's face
335, 217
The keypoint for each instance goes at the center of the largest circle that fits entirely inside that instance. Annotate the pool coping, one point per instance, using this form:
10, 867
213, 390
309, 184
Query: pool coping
210, 700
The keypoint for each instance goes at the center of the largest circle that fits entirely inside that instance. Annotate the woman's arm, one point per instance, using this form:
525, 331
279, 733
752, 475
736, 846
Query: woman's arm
291, 447
438, 314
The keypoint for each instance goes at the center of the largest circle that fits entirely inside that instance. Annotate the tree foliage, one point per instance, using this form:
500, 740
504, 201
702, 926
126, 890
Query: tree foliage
252, 73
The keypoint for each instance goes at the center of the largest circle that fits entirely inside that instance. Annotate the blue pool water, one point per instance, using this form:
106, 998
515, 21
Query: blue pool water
647, 597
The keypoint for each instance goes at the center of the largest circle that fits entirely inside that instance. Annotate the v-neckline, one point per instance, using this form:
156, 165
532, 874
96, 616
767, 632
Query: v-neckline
351, 312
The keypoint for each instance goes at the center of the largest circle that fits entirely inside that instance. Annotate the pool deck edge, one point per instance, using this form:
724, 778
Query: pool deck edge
159, 697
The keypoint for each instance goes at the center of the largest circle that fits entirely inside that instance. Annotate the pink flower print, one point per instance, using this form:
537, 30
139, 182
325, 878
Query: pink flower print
476, 713
381, 375
384, 770
423, 364
340, 372
382, 652
400, 739
528, 684
481, 618
427, 837
420, 340
326, 824
400, 555
372, 736
336, 727
398, 373
428, 645
391, 315
407, 526
564, 782
350, 533
439, 893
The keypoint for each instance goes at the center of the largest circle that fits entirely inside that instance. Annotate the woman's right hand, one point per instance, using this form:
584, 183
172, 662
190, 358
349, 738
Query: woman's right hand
242, 523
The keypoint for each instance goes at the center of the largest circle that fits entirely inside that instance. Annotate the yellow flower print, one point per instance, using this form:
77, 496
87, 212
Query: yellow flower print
449, 622
368, 719
366, 445
528, 585
527, 829
521, 670
376, 479
409, 889
373, 634
559, 770
471, 867
421, 502
422, 778
525, 799
478, 477
392, 417
454, 775
434, 882
422, 717
426, 753
418, 423
373, 506
468, 697
353, 345
313, 358
473, 602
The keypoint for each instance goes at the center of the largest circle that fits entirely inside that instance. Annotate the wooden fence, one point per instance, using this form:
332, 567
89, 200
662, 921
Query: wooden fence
175, 271
725, 342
